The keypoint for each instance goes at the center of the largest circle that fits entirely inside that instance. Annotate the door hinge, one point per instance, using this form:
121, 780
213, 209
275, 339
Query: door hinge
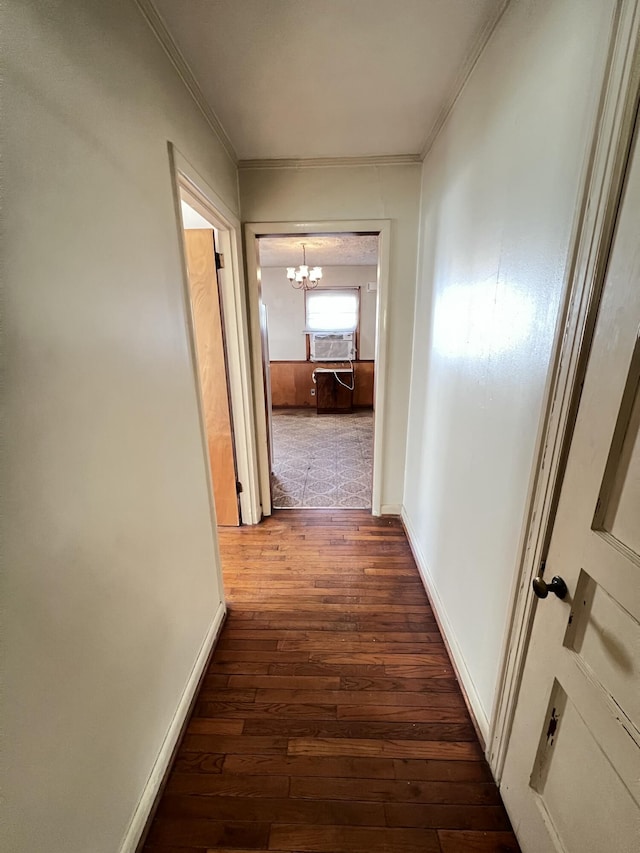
238, 486
219, 261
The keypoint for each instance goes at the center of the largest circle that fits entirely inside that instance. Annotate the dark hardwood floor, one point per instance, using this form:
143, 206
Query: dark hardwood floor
329, 718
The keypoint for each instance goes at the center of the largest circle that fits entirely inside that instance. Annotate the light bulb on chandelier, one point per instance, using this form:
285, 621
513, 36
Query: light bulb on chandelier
304, 278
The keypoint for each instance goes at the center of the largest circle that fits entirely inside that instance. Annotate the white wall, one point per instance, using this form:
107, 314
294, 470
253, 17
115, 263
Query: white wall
285, 306
499, 192
358, 192
111, 581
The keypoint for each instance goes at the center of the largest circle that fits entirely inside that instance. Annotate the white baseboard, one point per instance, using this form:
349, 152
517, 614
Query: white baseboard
390, 509
448, 635
161, 764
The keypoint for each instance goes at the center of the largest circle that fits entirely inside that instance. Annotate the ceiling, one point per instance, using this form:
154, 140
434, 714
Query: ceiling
329, 78
324, 251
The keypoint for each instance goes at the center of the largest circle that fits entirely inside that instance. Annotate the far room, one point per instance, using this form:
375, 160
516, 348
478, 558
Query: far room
319, 294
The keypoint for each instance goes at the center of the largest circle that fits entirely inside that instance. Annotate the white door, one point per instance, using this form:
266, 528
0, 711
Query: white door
572, 775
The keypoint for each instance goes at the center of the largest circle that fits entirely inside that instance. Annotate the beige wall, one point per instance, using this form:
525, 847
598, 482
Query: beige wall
358, 192
285, 306
111, 583
499, 194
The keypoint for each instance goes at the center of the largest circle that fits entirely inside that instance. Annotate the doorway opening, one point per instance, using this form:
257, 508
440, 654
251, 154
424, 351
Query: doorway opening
204, 263
321, 348
218, 332
319, 362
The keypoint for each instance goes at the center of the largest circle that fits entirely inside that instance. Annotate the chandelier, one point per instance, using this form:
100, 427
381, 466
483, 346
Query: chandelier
304, 278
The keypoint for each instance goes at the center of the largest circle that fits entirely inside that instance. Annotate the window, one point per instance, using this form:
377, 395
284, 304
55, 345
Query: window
334, 310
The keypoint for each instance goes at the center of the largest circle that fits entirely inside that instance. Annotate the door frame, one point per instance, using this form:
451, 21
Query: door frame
593, 231
382, 227
187, 182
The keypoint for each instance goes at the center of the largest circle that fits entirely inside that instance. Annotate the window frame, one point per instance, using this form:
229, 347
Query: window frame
354, 289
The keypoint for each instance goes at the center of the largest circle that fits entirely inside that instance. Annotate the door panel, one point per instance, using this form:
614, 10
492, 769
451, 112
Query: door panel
610, 658
207, 320
571, 780
620, 491
563, 762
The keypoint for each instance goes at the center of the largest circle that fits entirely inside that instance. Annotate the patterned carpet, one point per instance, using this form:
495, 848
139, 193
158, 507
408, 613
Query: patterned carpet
322, 460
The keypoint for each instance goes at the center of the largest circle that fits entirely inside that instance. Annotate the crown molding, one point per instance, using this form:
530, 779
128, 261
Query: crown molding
463, 76
159, 29
328, 162
185, 73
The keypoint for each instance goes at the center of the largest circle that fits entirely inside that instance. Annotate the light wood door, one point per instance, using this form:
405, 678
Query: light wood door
572, 775
209, 332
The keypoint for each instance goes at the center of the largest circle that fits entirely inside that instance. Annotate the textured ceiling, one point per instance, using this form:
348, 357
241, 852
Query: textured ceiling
328, 78
324, 251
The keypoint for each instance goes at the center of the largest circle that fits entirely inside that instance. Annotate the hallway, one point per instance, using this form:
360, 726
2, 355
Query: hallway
329, 718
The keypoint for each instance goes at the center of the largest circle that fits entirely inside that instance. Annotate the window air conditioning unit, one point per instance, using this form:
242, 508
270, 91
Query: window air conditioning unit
332, 347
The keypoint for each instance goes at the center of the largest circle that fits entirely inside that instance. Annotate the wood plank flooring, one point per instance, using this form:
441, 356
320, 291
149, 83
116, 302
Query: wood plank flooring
329, 718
